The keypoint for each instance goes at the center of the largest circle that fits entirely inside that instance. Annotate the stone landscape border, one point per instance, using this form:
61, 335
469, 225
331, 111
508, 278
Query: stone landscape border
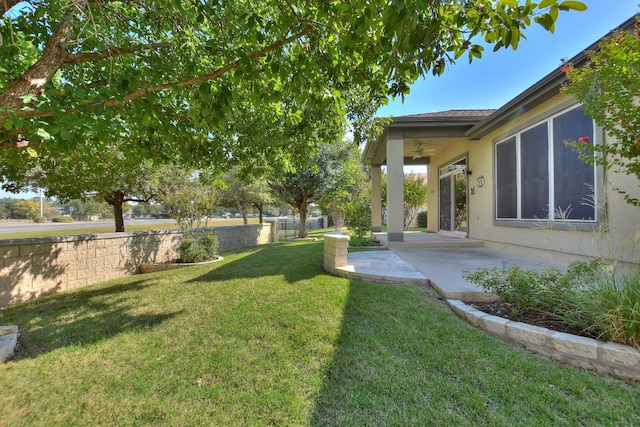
618, 360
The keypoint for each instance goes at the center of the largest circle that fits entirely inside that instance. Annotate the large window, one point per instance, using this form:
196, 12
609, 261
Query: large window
539, 178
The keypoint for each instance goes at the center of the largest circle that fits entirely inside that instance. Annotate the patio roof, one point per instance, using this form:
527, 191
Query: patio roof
434, 129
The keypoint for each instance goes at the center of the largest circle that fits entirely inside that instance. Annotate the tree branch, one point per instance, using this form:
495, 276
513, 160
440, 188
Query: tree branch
52, 59
212, 76
161, 87
5, 5
76, 58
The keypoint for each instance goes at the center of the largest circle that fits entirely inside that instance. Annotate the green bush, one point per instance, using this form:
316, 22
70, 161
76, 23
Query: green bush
40, 219
526, 289
198, 247
609, 308
586, 296
62, 218
422, 219
363, 242
358, 217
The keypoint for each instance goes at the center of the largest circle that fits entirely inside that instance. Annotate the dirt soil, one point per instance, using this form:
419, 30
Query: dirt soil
530, 317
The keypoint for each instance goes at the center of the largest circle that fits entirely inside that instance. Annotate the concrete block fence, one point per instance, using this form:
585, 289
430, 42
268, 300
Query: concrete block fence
33, 267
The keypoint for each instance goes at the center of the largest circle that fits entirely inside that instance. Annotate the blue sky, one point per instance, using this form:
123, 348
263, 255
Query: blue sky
500, 76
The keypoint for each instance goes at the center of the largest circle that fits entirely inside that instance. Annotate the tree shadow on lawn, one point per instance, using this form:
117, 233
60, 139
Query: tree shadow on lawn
402, 358
294, 261
80, 317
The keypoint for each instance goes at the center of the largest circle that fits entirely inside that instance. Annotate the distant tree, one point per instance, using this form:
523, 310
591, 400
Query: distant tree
608, 86
26, 209
84, 209
241, 190
349, 181
103, 173
415, 196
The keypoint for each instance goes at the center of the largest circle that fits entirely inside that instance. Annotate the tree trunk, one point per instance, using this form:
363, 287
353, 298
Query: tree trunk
116, 199
303, 233
245, 215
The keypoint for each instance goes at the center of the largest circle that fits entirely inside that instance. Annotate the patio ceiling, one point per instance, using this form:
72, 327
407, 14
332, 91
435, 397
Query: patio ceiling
424, 135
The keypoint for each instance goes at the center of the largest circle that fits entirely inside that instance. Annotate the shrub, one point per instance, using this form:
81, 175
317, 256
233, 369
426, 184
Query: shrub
586, 296
40, 219
362, 242
62, 218
197, 247
358, 217
422, 219
609, 308
549, 291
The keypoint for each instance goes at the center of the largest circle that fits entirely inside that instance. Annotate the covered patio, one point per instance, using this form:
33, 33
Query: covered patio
413, 140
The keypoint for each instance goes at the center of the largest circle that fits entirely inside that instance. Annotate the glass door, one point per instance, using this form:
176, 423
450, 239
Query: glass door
453, 197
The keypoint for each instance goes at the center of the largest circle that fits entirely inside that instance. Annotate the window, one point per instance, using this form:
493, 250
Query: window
536, 171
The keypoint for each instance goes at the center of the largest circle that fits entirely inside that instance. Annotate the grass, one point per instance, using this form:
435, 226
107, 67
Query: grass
265, 337
109, 229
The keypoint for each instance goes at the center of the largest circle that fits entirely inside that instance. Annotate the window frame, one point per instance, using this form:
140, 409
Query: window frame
550, 221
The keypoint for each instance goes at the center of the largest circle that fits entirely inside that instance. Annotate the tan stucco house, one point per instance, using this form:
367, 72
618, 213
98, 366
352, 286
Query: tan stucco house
506, 177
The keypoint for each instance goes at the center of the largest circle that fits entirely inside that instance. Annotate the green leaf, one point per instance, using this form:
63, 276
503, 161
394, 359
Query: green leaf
573, 5
546, 3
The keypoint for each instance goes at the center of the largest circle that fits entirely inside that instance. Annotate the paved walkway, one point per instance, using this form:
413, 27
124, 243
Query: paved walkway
440, 266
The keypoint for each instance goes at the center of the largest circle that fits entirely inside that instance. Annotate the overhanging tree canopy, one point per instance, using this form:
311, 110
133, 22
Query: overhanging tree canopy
176, 67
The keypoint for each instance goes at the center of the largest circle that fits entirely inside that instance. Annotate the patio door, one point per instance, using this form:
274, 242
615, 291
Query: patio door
453, 197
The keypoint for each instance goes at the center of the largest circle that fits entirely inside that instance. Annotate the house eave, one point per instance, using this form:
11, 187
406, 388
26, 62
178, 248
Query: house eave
546, 88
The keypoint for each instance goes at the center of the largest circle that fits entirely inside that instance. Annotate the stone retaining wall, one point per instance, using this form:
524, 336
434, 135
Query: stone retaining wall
33, 267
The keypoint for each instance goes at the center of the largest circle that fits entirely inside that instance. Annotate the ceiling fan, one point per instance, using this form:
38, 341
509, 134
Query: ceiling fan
418, 152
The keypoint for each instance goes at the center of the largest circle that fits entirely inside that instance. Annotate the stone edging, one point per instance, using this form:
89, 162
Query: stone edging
604, 357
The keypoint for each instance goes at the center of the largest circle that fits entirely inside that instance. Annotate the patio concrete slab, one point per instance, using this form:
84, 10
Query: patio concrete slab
433, 259
444, 267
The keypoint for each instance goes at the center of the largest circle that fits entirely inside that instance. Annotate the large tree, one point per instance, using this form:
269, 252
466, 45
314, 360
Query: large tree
101, 173
176, 69
316, 179
241, 190
609, 88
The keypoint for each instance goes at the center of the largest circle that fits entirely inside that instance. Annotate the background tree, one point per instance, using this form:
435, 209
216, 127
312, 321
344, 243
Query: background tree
185, 73
26, 209
314, 180
113, 173
349, 181
85, 209
241, 190
415, 196
609, 88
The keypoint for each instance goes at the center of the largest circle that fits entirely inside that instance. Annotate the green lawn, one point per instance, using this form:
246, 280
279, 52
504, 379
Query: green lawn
266, 338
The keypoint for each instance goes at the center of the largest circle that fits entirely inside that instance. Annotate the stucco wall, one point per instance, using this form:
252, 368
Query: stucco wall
617, 239
33, 267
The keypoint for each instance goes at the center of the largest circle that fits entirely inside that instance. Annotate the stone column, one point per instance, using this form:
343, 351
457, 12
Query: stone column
395, 187
335, 251
376, 198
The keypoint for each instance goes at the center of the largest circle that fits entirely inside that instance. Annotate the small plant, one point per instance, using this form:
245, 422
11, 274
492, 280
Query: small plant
586, 296
363, 242
358, 217
198, 248
40, 219
422, 219
609, 308
61, 218
191, 205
